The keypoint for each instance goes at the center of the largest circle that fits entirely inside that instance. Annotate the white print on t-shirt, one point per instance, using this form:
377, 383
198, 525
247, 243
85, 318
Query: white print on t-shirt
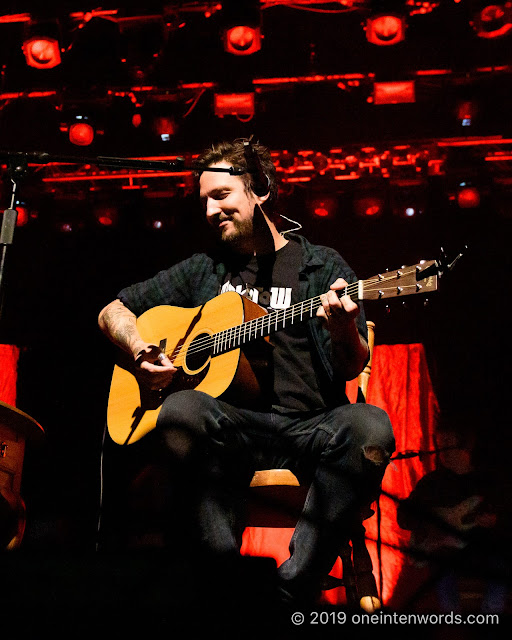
278, 298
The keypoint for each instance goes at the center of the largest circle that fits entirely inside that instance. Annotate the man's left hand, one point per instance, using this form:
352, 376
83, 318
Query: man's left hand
338, 313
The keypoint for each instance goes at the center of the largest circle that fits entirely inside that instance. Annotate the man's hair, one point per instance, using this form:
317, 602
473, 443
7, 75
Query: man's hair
233, 153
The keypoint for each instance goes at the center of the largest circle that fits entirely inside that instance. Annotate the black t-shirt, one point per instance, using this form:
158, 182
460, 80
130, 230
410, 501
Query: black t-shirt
272, 281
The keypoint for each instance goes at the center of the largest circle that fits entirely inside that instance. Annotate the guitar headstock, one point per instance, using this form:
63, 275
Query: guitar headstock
417, 278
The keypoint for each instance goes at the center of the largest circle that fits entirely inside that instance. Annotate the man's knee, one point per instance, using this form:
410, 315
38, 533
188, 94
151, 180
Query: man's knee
370, 431
183, 421
379, 439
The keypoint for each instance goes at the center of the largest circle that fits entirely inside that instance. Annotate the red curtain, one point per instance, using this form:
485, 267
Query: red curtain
9, 355
400, 384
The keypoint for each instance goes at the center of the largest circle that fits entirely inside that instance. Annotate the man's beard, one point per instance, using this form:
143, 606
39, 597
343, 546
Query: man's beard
238, 233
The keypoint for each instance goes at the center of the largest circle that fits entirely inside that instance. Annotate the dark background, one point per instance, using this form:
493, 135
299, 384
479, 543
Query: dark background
57, 282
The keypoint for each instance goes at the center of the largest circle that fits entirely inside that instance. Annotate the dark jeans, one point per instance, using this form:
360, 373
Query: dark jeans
216, 448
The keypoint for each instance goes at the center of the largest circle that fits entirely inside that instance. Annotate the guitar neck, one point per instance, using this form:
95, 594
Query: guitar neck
402, 282
418, 278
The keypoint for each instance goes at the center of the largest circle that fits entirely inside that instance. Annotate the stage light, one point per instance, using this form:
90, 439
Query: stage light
323, 206
165, 127
385, 29
369, 199
241, 31
287, 160
23, 217
492, 20
369, 206
81, 132
42, 53
394, 92
408, 198
468, 197
106, 215
242, 40
234, 104
41, 46
320, 162
157, 220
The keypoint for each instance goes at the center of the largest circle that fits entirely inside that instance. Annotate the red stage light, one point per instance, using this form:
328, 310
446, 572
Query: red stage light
23, 217
394, 92
234, 104
165, 127
42, 53
369, 206
81, 134
468, 198
466, 112
106, 215
242, 40
494, 20
323, 206
385, 30
321, 211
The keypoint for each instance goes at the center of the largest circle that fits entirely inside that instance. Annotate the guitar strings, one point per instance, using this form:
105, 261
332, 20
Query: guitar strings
234, 334
273, 318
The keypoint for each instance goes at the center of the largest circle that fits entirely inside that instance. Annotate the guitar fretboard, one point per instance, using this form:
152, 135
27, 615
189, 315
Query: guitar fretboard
405, 281
236, 337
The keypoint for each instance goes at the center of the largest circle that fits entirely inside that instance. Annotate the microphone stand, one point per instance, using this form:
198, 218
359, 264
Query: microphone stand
41, 157
17, 166
17, 169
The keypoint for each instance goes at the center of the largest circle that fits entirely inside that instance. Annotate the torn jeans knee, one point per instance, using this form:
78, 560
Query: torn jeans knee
377, 455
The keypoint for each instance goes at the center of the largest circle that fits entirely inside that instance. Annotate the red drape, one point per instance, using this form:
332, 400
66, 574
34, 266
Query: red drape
9, 355
400, 384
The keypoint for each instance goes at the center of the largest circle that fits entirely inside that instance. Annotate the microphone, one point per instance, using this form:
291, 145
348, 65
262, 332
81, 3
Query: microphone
260, 181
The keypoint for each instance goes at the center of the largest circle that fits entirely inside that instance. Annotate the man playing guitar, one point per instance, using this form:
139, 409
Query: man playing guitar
302, 420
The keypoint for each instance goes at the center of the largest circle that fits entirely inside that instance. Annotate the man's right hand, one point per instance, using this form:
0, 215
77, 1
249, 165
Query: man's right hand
153, 367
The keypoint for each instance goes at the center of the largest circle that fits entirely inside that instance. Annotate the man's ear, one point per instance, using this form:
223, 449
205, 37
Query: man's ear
261, 199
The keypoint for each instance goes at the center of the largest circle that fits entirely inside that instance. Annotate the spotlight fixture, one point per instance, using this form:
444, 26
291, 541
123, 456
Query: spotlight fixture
323, 206
234, 104
370, 196
106, 215
241, 31
385, 29
468, 196
165, 127
394, 92
491, 20
408, 198
41, 46
466, 112
81, 132
23, 214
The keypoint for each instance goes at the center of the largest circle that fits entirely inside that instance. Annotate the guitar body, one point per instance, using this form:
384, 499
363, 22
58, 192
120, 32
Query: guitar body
234, 374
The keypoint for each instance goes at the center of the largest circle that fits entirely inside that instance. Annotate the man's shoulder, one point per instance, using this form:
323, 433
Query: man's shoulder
197, 261
315, 251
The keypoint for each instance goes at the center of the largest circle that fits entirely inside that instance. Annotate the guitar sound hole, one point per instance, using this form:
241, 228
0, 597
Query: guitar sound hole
198, 352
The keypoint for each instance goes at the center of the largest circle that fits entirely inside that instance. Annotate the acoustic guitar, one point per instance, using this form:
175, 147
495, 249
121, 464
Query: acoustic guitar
219, 348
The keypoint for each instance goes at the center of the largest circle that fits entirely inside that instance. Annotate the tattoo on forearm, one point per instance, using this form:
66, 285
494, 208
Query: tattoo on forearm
121, 326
